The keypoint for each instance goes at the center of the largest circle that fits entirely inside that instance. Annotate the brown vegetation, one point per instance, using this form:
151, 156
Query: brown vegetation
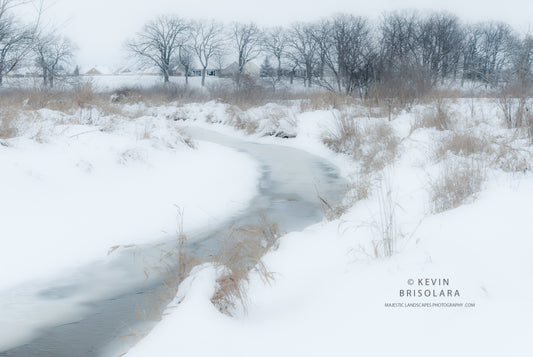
241, 252
458, 183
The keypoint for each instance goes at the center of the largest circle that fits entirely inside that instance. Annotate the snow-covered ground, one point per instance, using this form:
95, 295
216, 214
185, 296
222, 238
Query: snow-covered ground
105, 83
335, 292
331, 289
111, 82
71, 191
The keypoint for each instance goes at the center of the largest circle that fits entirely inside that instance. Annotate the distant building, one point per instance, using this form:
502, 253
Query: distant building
209, 72
98, 71
124, 71
250, 68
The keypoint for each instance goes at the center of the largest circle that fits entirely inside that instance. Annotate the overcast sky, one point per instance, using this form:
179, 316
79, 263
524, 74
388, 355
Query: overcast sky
100, 27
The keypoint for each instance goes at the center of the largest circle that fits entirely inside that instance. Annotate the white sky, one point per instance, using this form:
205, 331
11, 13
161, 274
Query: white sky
100, 27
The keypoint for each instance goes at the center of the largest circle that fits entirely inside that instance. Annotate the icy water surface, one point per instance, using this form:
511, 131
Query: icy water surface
103, 308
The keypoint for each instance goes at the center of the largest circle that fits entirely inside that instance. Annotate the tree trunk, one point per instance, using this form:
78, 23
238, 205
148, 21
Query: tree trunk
238, 79
203, 76
308, 74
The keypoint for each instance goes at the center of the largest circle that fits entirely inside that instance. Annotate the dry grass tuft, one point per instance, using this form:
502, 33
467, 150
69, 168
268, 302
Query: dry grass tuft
277, 119
345, 135
325, 100
464, 144
386, 225
457, 184
380, 149
514, 105
516, 110
529, 127
8, 126
374, 146
175, 264
357, 189
185, 261
438, 116
241, 252
511, 158
332, 211
186, 138
241, 120
85, 95
126, 95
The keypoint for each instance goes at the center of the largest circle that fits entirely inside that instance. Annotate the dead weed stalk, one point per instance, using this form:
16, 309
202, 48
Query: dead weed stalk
241, 252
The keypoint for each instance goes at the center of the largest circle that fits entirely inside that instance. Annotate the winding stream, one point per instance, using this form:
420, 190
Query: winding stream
103, 308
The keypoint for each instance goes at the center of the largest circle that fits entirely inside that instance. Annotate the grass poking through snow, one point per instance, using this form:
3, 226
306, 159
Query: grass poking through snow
241, 252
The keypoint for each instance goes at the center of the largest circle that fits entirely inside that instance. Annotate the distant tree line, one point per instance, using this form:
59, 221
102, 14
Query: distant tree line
16, 39
25, 45
406, 53
402, 56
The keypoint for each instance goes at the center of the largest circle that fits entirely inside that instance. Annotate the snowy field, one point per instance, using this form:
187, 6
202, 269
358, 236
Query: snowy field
109, 83
105, 83
444, 212
112, 82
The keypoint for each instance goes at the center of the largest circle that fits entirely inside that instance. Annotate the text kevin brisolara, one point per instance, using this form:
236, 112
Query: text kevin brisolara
429, 287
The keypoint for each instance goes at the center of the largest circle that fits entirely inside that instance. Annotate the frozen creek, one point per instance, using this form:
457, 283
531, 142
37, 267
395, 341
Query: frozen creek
103, 308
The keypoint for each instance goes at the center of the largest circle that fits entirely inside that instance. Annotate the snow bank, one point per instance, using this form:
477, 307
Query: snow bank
71, 192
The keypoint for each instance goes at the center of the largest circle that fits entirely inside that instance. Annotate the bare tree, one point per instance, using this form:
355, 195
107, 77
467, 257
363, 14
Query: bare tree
495, 37
515, 89
207, 42
440, 39
345, 47
15, 39
304, 49
522, 61
400, 76
159, 42
268, 74
220, 60
52, 53
398, 38
186, 60
247, 41
274, 43
486, 51
470, 53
